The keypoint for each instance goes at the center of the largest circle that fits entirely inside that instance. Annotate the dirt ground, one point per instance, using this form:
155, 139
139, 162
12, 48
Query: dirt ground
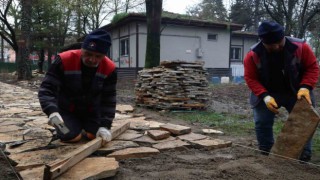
240, 161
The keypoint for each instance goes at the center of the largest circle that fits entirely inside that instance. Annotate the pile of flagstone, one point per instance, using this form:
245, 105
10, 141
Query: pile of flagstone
174, 85
24, 130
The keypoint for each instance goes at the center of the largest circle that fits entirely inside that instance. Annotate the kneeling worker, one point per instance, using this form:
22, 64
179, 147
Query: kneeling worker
79, 90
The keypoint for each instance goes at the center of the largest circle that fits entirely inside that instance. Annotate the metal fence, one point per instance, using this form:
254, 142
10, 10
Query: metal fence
11, 67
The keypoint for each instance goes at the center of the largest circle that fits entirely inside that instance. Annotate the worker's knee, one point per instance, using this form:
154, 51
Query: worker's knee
72, 139
90, 135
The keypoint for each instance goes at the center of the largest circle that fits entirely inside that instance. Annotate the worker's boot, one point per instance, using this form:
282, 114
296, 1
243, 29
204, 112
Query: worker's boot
264, 151
304, 158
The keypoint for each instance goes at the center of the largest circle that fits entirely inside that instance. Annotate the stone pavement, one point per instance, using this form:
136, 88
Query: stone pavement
28, 138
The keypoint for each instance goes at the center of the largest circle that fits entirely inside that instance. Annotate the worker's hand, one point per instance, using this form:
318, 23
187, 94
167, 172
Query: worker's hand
55, 118
271, 104
304, 92
105, 134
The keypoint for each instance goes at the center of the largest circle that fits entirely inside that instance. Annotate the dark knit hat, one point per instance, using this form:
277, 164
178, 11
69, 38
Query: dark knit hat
97, 41
270, 32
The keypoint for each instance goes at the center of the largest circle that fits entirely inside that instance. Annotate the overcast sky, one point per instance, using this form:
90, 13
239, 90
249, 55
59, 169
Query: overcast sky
179, 6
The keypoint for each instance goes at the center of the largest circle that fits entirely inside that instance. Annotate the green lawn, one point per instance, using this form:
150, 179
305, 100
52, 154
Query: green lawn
235, 125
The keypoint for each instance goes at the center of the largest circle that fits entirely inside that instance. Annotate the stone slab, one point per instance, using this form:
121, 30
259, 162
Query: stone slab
115, 145
39, 121
35, 113
92, 168
134, 153
14, 110
11, 121
138, 123
176, 144
149, 140
124, 108
121, 116
155, 124
5, 137
137, 115
158, 134
37, 133
28, 145
33, 173
129, 135
212, 131
37, 158
297, 130
176, 129
212, 143
9, 128
192, 137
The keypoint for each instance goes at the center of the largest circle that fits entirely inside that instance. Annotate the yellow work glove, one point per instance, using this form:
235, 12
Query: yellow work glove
304, 92
271, 104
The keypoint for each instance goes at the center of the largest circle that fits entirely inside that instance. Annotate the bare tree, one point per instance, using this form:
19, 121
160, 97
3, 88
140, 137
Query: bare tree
314, 30
7, 31
295, 15
91, 14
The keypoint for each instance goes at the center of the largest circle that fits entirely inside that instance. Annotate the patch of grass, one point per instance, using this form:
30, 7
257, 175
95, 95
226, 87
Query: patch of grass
236, 125
277, 126
230, 124
316, 143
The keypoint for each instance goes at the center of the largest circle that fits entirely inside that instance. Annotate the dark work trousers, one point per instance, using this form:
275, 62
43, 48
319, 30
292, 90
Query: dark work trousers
76, 123
264, 120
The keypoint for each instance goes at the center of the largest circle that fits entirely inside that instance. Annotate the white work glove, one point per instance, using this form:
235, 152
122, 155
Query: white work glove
105, 134
56, 121
52, 120
271, 104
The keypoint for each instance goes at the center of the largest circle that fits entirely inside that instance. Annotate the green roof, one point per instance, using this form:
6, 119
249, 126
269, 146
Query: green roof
171, 18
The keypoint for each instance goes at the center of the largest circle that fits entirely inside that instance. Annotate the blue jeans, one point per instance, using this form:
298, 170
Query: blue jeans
264, 120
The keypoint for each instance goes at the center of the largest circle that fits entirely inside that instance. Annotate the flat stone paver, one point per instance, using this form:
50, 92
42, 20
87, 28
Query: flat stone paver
138, 152
176, 144
158, 134
176, 129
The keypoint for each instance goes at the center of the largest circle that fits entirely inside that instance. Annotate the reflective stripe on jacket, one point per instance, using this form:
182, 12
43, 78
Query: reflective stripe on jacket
74, 97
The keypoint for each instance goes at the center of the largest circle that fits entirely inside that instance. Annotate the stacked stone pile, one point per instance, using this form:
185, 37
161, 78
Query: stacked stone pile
174, 85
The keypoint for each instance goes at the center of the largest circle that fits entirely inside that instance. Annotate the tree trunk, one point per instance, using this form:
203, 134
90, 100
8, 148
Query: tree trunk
49, 57
2, 50
22, 59
317, 47
154, 10
41, 60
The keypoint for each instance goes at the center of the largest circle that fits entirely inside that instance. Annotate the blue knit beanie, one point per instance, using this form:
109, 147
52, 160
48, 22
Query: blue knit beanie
97, 41
270, 32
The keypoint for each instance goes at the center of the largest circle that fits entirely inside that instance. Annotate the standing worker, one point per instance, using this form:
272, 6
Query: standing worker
278, 70
78, 93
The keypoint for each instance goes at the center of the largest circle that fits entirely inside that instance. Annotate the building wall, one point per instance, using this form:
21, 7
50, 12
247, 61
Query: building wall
244, 42
177, 43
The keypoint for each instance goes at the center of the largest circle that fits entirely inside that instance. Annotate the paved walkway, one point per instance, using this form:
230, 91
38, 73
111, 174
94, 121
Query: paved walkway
24, 129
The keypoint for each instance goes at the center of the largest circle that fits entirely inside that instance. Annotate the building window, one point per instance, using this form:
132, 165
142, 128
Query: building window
235, 54
212, 37
124, 47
